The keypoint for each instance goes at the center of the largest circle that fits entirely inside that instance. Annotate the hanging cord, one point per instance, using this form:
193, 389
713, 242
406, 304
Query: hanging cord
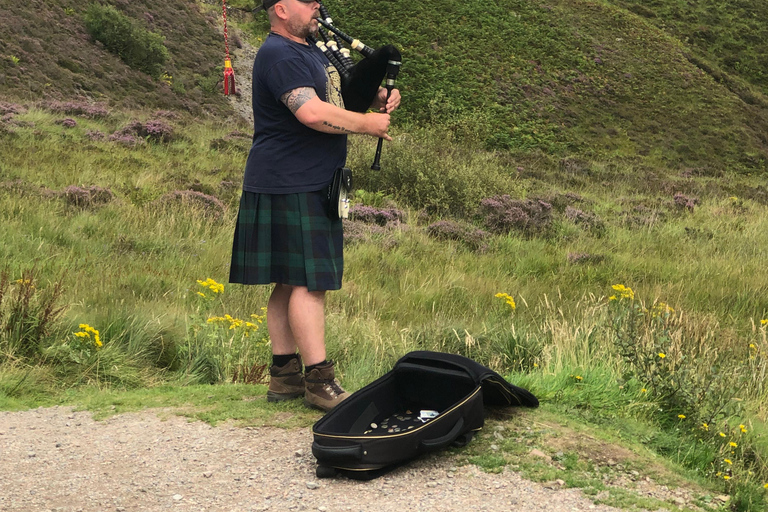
229, 73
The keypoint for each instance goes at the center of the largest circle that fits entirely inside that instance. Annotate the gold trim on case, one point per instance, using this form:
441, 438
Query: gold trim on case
442, 415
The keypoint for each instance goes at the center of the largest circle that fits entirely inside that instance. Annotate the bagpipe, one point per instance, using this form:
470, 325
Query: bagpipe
360, 81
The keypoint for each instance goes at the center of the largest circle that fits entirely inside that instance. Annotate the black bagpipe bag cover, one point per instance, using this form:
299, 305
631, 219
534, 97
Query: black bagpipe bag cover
456, 387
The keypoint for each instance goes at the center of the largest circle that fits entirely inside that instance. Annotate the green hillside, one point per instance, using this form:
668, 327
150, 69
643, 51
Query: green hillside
573, 76
672, 83
46, 53
730, 34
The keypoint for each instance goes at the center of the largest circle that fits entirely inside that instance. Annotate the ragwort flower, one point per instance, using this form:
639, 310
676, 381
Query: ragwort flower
88, 332
508, 299
211, 285
623, 292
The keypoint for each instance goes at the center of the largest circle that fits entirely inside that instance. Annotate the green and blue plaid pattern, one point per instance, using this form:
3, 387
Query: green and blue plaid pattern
287, 239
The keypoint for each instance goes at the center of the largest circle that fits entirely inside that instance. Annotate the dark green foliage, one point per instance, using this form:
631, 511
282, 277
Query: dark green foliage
47, 53
138, 47
571, 77
731, 33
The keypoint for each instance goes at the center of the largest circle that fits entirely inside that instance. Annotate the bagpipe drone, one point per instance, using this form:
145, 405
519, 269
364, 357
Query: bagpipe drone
360, 81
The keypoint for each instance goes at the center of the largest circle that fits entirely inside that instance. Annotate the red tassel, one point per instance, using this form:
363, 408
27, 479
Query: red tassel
229, 78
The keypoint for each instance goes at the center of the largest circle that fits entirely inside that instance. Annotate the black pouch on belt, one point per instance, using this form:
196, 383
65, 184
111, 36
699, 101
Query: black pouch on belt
338, 193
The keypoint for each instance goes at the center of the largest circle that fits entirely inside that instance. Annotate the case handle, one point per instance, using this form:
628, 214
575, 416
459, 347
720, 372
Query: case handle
331, 454
444, 441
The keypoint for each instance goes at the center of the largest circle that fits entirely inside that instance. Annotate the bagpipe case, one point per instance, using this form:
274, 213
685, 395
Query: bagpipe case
427, 402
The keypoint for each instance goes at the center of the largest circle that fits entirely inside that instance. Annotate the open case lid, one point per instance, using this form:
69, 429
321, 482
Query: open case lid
496, 390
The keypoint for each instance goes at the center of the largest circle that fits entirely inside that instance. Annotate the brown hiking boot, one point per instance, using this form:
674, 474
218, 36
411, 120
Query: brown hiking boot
323, 391
286, 382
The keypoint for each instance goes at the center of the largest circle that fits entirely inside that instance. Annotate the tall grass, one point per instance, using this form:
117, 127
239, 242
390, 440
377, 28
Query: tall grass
129, 266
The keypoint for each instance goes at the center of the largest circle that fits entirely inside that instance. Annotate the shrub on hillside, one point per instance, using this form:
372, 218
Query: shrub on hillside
579, 258
588, 221
683, 202
502, 214
85, 197
136, 46
206, 204
75, 108
380, 216
467, 234
67, 122
10, 108
360, 232
153, 130
94, 135
238, 141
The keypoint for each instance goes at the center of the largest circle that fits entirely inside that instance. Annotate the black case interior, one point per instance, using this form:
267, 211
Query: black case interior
377, 428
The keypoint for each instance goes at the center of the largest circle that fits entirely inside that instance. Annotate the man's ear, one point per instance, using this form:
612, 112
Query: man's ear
281, 11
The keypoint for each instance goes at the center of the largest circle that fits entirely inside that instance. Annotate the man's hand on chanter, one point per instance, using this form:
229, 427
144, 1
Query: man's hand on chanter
382, 104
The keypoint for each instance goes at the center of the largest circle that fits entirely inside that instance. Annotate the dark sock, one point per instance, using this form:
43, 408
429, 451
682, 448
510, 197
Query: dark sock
308, 369
283, 360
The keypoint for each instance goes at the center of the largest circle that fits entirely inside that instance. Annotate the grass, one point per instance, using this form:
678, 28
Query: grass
129, 267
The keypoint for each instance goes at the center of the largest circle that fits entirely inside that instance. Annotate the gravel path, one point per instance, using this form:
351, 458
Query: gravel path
57, 459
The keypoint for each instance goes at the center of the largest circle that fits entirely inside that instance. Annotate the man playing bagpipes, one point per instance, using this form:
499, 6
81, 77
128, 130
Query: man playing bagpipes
284, 233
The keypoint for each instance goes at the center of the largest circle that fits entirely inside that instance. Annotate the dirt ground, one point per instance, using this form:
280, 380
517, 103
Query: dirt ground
60, 460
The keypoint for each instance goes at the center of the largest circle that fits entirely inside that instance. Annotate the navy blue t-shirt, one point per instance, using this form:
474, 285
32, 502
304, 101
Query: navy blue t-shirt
287, 156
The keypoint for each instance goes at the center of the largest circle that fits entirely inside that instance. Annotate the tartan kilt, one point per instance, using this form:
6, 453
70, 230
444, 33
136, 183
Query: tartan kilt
287, 239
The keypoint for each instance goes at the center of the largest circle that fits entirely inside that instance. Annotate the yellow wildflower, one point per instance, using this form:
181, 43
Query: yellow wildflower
643, 390
766, 486
624, 292
705, 426
743, 429
726, 477
764, 322
681, 416
86, 332
662, 355
211, 285
578, 377
727, 461
660, 309
733, 445
722, 435
201, 294
508, 299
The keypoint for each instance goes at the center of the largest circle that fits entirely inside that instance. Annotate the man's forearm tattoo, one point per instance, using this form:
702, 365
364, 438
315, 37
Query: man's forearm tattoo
297, 97
340, 128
